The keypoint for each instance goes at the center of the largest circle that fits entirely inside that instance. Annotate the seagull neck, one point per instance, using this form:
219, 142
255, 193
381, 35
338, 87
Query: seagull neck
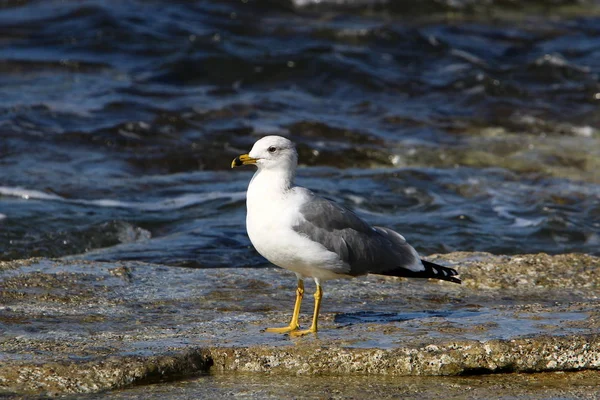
278, 181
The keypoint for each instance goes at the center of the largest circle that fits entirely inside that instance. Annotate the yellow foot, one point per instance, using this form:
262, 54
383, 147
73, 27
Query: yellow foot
297, 333
285, 329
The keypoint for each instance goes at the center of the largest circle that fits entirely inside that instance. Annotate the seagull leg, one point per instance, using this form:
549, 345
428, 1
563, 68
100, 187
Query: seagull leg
313, 327
294, 326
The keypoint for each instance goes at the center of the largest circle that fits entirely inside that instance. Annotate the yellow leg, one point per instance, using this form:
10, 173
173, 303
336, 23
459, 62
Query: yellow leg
294, 326
313, 327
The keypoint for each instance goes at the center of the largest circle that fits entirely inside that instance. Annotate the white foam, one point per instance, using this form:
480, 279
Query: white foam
182, 201
27, 193
527, 222
584, 131
503, 212
356, 199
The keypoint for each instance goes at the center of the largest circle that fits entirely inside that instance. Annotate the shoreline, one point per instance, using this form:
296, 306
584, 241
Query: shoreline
73, 326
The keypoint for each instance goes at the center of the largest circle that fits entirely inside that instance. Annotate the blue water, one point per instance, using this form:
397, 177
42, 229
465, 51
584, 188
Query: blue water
464, 126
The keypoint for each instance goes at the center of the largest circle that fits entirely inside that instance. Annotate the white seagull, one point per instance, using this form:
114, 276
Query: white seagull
314, 237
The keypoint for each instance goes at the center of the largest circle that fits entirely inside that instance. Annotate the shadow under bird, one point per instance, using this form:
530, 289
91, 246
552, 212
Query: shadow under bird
314, 237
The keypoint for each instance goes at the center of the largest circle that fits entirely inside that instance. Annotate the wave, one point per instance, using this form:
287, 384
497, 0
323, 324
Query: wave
175, 203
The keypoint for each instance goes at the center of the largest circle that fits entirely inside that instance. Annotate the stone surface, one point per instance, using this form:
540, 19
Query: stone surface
547, 386
73, 326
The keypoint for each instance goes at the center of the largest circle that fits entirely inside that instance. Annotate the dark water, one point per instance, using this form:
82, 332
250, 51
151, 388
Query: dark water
465, 125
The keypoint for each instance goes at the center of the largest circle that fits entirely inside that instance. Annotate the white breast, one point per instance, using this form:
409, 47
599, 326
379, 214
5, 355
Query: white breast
271, 216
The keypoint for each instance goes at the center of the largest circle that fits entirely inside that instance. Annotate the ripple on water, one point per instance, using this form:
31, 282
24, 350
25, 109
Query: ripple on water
119, 123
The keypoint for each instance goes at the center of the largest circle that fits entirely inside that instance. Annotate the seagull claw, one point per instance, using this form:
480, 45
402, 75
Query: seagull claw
286, 329
297, 333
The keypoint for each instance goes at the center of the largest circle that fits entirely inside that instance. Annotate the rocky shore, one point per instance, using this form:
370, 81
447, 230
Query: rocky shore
72, 326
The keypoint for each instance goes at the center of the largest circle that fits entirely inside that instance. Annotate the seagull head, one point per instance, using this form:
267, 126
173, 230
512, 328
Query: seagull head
270, 152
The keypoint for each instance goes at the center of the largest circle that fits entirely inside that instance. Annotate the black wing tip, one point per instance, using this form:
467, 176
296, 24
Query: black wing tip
432, 270
437, 271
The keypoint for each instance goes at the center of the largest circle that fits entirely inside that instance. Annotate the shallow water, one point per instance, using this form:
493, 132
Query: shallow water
463, 126
261, 386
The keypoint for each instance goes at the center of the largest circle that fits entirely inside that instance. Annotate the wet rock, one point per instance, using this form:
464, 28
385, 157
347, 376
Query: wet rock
544, 353
82, 326
101, 374
555, 385
517, 151
487, 271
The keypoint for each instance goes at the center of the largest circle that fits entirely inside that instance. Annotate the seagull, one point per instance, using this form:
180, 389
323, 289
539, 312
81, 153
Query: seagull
316, 238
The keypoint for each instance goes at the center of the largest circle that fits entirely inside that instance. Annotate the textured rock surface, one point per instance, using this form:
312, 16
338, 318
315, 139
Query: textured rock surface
556, 385
544, 353
84, 327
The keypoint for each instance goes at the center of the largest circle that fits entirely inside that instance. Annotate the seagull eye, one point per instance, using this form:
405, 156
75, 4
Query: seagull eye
272, 149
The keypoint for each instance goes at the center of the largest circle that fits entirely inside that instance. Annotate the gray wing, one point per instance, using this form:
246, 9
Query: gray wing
364, 249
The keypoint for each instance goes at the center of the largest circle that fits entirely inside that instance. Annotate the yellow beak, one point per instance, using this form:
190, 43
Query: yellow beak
244, 159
